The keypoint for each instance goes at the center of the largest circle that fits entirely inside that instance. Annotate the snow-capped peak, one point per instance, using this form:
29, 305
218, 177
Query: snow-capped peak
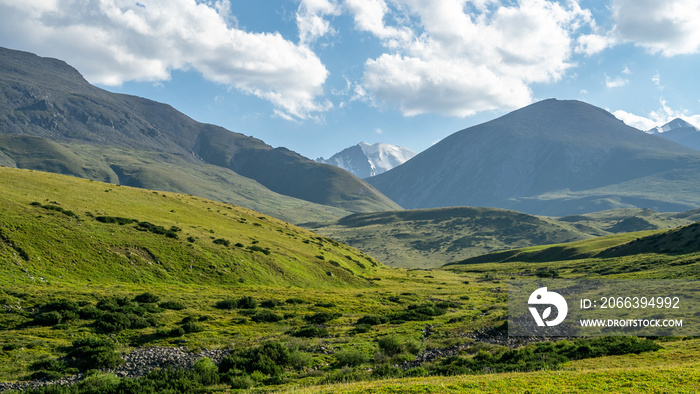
677, 123
366, 160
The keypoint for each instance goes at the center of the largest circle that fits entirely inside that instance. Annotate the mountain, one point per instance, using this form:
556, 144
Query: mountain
553, 158
680, 131
52, 119
365, 160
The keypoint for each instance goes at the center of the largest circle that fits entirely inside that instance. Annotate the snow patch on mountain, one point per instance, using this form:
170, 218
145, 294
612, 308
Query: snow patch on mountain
366, 160
680, 131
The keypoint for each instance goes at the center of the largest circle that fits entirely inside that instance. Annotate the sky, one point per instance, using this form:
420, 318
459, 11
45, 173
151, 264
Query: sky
318, 76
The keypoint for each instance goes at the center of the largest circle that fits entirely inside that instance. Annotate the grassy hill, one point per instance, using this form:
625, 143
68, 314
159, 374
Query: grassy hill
433, 237
211, 242
646, 254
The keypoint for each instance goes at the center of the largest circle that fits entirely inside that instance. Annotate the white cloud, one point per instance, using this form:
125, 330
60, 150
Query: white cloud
444, 57
616, 82
636, 121
113, 41
311, 21
590, 44
669, 27
658, 117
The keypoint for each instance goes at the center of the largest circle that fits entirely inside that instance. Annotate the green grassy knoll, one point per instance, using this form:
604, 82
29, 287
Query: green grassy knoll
655, 253
625, 220
424, 238
210, 242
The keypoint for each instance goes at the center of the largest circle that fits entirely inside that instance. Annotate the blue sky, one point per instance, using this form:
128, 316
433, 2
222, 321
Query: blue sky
317, 76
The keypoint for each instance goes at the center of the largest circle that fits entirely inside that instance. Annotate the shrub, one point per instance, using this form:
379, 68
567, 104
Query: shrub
321, 317
256, 248
360, 328
310, 332
241, 382
351, 357
48, 318
387, 371
266, 317
62, 305
147, 298
114, 219
269, 359
240, 303
191, 327
270, 304
90, 312
295, 301
93, 353
247, 302
222, 241
177, 332
207, 371
228, 303
390, 345
372, 320
51, 369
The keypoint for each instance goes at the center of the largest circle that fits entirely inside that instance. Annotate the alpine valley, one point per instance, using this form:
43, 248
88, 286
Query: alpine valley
51, 119
144, 252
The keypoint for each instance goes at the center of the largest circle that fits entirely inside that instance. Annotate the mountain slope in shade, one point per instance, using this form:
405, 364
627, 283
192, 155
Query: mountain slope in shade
680, 131
366, 160
88, 132
553, 158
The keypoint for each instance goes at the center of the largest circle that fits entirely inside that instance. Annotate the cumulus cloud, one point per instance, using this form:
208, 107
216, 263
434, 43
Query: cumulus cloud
659, 117
666, 27
447, 57
311, 19
113, 41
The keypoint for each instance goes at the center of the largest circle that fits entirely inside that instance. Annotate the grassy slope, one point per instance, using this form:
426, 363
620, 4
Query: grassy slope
432, 237
61, 248
160, 171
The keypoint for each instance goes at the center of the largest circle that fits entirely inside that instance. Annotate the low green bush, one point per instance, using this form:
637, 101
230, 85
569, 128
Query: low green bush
310, 332
266, 317
321, 317
350, 357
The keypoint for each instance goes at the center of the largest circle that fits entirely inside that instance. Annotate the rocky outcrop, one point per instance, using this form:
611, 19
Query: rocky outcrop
136, 363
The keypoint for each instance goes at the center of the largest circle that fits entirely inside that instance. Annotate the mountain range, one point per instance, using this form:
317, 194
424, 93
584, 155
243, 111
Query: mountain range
550, 158
680, 131
366, 160
52, 119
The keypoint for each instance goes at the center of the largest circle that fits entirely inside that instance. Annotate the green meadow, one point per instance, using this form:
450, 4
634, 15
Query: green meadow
93, 271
